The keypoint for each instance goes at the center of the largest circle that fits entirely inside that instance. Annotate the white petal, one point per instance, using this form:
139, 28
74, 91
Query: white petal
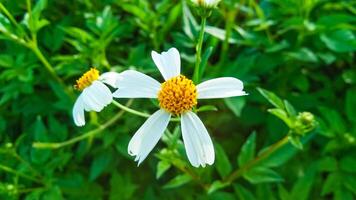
197, 142
102, 91
142, 143
220, 88
96, 96
78, 112
168, 62
134, 84
110, 78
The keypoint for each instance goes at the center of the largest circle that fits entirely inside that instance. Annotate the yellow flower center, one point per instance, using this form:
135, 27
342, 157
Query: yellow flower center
87, 79
177, 95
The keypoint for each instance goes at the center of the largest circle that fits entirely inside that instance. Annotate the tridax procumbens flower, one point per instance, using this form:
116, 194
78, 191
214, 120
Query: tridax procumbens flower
176, 96
95, 94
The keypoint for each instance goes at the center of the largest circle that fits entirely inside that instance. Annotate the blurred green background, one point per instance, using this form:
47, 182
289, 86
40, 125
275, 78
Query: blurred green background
301, 50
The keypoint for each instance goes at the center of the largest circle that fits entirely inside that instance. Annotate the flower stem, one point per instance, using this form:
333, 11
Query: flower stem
130, 110
12, 20
46, 64
138, 113
56, 145
196, 76
239, 172
12, 171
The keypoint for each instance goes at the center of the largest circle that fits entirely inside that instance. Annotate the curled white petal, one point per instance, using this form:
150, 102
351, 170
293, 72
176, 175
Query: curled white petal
93, 98
102, 92
134, 84
110, 78
96, 96
78, 112
220, 88
168, 62
147, 136
197, 142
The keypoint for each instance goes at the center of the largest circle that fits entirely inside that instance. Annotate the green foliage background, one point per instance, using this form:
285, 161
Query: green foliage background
301, 50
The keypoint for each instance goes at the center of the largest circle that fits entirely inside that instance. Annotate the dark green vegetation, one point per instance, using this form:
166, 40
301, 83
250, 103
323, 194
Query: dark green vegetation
300, 51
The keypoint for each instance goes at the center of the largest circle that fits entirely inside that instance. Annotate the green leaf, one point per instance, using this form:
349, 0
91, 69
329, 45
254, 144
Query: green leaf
332, 183
295, 141
303, 186
121, 187
350, 182
174, 14
100, 163
304, 54
283, 193
204, 61
290, 109
278, 157
190, 26
40, 156
162, 167
54, 193
235, 104
248, 150
222, 161
34, 22
334, 119
262, 175
243, 193
216, 185
343, 194
219, 33
5, 24
272, 98
207, 108
327, 164
178, 181
350, 105
339, 40
348, 164
281, 114
220, 195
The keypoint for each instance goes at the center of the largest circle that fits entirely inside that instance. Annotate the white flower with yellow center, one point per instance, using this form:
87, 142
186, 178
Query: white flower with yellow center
95, 94
176, 96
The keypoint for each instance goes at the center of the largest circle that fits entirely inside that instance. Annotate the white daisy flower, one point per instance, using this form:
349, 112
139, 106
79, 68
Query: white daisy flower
176, 96
95, 94
206, 3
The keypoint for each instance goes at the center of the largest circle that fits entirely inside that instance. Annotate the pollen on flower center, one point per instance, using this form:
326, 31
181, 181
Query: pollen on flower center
87, 78
177, 95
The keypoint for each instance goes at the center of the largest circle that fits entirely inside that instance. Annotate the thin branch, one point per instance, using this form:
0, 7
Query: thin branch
56, 145
240, 171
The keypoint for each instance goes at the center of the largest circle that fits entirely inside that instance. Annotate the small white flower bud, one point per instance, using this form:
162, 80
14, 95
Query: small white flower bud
206, 3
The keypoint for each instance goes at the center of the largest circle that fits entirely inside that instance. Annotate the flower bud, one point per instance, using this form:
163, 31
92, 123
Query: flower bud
304, 123
306, 118
207, 4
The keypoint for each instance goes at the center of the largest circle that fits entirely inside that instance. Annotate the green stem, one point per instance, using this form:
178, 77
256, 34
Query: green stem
47, 65
20, 159
138, 113
130, 110
56, 145
14, 38
239, 172
29, 11
12, 171
196, 76
228, 27
12, 20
